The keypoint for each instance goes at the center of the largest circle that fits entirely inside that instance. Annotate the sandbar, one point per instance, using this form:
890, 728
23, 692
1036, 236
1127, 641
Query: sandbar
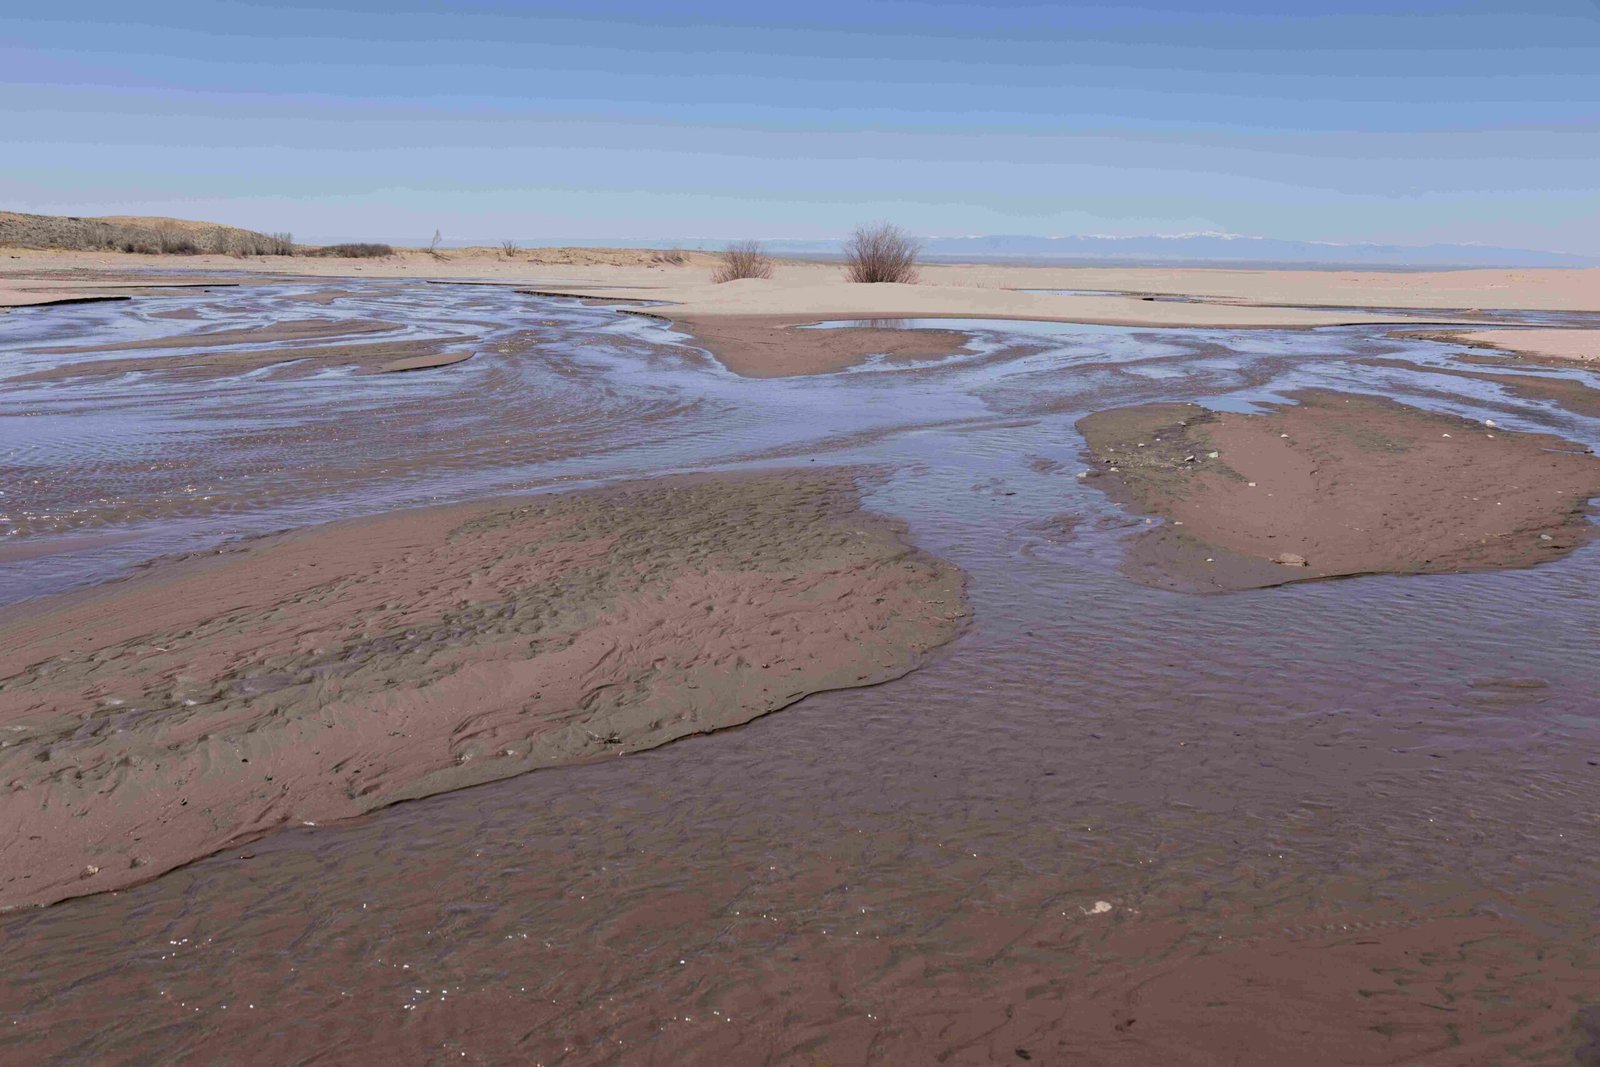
323, 673
1335, 485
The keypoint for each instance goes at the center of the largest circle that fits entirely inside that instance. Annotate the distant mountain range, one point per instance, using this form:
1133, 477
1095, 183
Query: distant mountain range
1187, 249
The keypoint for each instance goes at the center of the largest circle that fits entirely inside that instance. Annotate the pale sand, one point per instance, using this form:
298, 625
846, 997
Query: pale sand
1578, 345
800, 287
321, 674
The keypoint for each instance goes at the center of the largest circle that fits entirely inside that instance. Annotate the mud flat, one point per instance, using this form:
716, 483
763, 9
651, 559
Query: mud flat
1335, 484
324, 673
768, 346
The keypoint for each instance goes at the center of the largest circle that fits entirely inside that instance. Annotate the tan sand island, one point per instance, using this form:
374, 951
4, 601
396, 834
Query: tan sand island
1335, 485
1575, 345
324, 673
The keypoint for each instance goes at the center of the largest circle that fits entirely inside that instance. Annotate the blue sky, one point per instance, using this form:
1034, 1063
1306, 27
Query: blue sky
1402, 122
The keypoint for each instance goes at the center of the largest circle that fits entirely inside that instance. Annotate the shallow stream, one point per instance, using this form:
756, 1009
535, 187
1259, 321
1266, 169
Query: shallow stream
905, 872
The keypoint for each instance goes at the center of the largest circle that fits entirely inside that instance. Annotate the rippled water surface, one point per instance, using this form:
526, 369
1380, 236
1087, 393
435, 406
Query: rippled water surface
915, 868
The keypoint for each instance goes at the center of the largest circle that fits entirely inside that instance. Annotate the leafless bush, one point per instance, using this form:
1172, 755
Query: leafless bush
674, 257
280, 244
509, 248
172, 241
743, 259
882, 252
433, 246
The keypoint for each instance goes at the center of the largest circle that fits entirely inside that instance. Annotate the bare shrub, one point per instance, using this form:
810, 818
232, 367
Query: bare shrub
355, 251
172, 241
743, 259
280, 244
433, 246
882, 252
675, 257
509, 248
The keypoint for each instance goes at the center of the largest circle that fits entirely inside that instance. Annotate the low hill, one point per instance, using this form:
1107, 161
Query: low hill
131, 233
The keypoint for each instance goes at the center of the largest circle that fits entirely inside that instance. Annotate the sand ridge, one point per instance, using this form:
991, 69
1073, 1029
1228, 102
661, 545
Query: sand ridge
324, 673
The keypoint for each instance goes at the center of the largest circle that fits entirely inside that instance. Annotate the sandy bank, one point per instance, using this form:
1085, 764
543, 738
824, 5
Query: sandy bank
1559, 345
31, 288
324, 673
1334, 485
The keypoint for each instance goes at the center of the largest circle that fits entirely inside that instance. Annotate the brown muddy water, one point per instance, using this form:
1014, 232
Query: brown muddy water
1337, 822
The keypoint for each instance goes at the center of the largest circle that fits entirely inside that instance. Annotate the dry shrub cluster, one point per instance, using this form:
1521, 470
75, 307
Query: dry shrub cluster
881, 252
360, 250
672, 257
744, 259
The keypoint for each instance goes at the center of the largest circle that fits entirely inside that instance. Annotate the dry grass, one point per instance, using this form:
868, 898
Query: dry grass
743, 259
882, 252
508, 248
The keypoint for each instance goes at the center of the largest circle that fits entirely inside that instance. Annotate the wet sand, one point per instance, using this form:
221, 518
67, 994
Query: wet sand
384, 357
1336, 485
289, 330
1570, 393
323, 674
770, 346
